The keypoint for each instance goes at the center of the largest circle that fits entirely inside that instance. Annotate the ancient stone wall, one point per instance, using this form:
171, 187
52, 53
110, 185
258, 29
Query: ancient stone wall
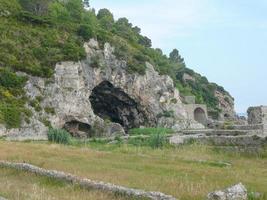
258, 115
255, 115
197, 112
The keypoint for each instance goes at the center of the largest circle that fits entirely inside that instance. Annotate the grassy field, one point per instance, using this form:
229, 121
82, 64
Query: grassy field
187, 172
16, 185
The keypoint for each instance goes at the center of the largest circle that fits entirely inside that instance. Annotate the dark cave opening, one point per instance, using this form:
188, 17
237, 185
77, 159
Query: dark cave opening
115, 105
78, 129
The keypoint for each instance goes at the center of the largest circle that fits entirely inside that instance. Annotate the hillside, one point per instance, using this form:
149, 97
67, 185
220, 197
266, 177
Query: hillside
35, 35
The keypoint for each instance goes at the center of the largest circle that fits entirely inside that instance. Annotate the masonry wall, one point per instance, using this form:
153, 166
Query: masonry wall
258, 115
190, 108
255, 115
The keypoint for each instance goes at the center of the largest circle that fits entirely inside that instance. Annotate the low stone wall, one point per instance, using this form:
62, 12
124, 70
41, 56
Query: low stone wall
87, 183
248, 127
241, 140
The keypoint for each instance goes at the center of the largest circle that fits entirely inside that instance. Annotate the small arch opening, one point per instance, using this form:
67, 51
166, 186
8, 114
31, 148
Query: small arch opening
200, 116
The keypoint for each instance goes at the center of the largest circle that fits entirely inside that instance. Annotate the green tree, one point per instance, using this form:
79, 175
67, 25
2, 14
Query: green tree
106, 19
145, 41
86, 32
58, 12
86, 3
37, 7
175, 57
75, 9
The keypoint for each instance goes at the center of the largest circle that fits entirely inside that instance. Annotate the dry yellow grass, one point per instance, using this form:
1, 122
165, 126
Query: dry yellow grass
17, 185
173, 171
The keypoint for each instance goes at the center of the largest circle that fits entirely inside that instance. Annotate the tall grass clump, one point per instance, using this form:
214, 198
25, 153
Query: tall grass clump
59, 136
158, 140
150, 131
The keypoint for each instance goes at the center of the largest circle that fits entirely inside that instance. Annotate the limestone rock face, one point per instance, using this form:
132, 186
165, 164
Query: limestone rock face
236, 192
97, 96
226, 104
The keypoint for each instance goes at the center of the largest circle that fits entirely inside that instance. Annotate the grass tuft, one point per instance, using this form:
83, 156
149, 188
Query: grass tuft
59, 136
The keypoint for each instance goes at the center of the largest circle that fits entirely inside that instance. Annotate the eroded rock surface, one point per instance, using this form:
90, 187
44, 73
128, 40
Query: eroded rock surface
99, 94
236, 192
226, 104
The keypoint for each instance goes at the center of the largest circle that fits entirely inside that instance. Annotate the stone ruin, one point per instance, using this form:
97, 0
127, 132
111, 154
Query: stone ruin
251, 136
197, 112
257, 117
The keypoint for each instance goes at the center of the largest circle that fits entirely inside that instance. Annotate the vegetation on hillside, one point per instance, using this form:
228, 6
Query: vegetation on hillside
36, 34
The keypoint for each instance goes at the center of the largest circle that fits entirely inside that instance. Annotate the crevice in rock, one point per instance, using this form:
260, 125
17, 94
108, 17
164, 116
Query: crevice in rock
114, 104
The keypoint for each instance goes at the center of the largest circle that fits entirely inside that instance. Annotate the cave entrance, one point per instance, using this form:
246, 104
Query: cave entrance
78, 129
200, 116
114, 104
226, 116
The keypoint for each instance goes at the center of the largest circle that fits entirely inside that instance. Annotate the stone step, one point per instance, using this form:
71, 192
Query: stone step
248, 127
245, 140
209, 132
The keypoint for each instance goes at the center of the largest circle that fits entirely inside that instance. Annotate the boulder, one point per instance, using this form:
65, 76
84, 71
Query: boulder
236, 192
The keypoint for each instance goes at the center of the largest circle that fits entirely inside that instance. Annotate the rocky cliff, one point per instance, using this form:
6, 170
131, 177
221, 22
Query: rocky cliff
226, 105
98, 96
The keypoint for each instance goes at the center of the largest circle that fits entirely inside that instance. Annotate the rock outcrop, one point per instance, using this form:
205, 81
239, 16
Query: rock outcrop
97, 96
236, 192
226, 104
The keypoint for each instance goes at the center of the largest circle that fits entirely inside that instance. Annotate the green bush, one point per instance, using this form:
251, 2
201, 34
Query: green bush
138, 141
167, 114
9, 79
59, 136
36, 105
154, 141
10, 115
150, 131
10, 6
50, 110
86, 32
157, 140
12, 99
228, 125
